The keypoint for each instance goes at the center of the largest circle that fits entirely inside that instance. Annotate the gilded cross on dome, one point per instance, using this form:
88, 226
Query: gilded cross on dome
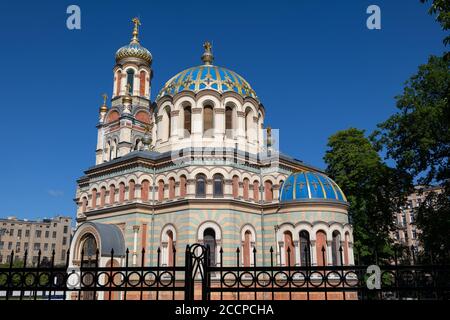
137, 23
207, 56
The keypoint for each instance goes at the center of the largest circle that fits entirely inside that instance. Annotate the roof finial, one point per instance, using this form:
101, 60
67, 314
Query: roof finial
137, 23
104, 107
207, 56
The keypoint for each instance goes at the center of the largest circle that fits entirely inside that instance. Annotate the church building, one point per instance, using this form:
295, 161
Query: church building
196, 164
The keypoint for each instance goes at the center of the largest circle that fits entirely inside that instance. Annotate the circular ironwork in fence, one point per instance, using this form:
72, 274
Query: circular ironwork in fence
134, 279
29, 279
44, 279
3, 278
149, 278
280, 279
103, 279
351, 276
118, 275
298, 279
59, 280
316, 281
226, 280
88, 279
406, 277
249, 281
197, 250
15, 279
73, 279
333, 279
165, 279
388, 278
263, 279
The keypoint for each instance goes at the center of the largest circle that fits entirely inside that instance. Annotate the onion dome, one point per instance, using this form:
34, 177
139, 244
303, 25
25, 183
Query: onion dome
104, 107
134, 48
207, 76
310, 186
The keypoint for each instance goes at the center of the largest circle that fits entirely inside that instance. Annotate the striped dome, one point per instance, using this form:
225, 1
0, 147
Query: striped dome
204, 77
308, 185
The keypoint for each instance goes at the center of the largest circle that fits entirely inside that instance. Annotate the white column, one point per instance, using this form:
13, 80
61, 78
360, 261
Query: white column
329, 254
297, 253
313, 253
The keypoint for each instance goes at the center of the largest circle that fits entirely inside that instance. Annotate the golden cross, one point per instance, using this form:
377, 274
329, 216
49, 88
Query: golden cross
207, 45
105, 97
137, 23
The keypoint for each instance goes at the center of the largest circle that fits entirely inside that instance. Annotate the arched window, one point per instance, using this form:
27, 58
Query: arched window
89, 247
131, 188
166, 124
218, 185
246, 186
183, 185
289, 244
142, 83
200, 185
208, 121
102, 196
94, 198
249, 123
118, 82
137, 145
170, 248
247, 248
83, 204
171, 188
305, 257
160, 190
268, 190
235, 186
256, 190
187, 121
144, 190
112, 191
130, 80
229, 122
209, 237
116, 149
321, 242
121, 192
335, 245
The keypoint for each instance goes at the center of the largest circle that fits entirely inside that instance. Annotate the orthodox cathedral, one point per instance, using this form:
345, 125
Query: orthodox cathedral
197, 165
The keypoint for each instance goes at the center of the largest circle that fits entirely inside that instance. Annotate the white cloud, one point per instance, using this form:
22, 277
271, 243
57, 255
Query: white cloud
55, 193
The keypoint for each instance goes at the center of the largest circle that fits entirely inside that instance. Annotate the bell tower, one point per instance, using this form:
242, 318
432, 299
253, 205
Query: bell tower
122, 126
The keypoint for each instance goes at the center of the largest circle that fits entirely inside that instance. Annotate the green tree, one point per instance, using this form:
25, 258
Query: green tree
442, 10
417, 138
372, 190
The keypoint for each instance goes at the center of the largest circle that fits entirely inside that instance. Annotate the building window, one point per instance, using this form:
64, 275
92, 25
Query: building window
289, 249
246, 186
144, 190
11, 232
64, 242
229, 122
218, 185
160, 190
37, 246
235, 186
335, 246
17, 247
183, 186
25, 246
47, 234
171, 188
130, 80
200, 185
63, 254
305, 258
53, 246
187, 121
247, 248
66, 228
9, 245
38, 233
142, 83
27, 233
256, 191
45, 246
208, 121
19, 233
209, 237
54, 235
268, 190
89, 247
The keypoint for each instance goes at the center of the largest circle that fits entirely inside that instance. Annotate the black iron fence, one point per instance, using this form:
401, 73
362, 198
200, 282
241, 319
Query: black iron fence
93, 277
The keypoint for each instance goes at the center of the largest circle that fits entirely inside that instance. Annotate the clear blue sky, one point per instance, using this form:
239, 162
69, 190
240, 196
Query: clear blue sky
314, 64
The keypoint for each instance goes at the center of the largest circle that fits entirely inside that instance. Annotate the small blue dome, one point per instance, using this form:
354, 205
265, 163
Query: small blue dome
308, 185
204, 77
